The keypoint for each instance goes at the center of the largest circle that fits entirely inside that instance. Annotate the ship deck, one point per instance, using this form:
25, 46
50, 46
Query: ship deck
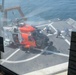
24, 63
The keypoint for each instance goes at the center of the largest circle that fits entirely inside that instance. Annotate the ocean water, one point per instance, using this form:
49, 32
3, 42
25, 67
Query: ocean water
38, 10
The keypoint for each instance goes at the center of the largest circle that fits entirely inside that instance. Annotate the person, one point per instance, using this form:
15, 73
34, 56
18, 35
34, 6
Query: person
58, 33
48, 30
67, 32
15, 30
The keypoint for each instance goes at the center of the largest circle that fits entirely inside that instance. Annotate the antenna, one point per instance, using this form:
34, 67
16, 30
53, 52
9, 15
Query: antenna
2, 6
